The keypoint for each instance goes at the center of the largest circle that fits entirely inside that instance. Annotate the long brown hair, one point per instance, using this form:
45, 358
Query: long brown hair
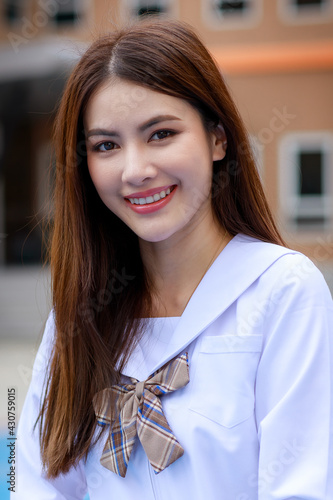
100, 289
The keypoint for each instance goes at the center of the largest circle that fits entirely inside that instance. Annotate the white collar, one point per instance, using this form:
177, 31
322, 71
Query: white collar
239, 264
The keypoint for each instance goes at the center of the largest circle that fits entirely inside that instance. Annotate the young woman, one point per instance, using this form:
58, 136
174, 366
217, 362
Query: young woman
188, 353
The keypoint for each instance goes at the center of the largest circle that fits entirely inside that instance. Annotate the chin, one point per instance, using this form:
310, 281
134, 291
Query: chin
155, 237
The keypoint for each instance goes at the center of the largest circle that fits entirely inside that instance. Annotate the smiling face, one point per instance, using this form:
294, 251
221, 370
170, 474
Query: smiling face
150, 159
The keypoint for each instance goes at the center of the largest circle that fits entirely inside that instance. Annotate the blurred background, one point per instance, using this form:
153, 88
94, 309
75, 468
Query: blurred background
277, 57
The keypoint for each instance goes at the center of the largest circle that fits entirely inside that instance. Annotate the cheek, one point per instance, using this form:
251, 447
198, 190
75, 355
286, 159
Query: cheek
199, 168
102, 177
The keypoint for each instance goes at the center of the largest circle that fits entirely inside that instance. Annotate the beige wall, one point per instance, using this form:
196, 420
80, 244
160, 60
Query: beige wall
268, 27
308, 99
261, 94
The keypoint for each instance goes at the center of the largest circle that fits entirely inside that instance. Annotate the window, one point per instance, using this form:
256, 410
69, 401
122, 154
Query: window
305, 11
233, 7
13, 10
153, 9
310, 188
306, 181
299, 4
137, 8
310, 172
144, 7
222, 14
67, 13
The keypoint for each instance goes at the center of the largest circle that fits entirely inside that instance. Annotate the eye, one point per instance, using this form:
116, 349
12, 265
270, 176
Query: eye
162, 134
105, 146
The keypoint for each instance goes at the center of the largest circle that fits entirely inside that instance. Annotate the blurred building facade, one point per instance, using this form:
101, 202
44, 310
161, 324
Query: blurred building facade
276, 55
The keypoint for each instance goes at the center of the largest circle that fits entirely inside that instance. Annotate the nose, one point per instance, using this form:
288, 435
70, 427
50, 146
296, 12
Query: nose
137, 167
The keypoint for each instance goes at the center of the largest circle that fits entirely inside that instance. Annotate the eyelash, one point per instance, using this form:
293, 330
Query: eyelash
169, 133
98, 147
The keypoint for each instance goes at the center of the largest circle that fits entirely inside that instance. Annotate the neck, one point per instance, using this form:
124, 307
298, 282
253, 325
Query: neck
177, 265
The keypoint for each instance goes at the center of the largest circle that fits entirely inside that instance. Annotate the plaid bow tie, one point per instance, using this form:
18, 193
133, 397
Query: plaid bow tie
137, 411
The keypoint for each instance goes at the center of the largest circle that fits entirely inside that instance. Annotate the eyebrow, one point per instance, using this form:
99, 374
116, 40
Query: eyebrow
149, 123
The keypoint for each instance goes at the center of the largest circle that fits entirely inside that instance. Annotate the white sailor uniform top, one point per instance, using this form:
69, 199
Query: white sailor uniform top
255, 420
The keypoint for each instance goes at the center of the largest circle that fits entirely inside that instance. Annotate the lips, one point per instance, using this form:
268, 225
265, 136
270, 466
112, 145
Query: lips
154, 200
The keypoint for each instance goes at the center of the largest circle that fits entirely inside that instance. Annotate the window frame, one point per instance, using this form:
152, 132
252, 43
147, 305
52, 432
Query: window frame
292, 204
80, 6
230, 22
129, 6
23, 11
291, 14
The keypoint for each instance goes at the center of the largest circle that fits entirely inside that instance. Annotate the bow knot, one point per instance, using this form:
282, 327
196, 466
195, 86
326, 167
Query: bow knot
134, 411
139, 388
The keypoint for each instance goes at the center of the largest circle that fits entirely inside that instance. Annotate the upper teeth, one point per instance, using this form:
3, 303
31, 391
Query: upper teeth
150, 199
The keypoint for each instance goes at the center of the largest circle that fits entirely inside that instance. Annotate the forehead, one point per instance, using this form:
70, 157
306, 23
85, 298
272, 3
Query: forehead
119, 100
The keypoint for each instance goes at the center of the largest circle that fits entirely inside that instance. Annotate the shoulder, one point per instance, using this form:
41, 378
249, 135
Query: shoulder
290, 274
296, 277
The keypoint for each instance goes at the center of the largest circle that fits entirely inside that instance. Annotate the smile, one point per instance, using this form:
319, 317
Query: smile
153, 198
154, 202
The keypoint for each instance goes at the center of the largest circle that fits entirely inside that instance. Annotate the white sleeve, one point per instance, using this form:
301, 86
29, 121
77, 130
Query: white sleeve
294, 388
31, 482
